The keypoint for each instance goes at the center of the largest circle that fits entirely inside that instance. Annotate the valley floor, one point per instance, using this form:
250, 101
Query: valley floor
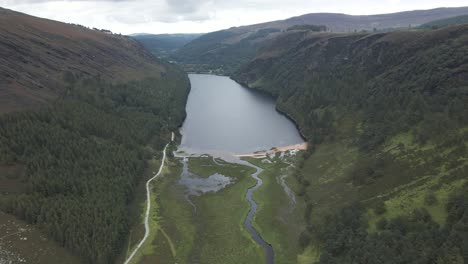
208, 228
298, 188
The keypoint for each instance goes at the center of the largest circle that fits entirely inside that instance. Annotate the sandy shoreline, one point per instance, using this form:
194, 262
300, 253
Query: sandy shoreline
265, 153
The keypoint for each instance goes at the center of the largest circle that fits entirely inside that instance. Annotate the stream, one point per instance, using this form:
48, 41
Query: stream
225, 119
197, 185
253, 209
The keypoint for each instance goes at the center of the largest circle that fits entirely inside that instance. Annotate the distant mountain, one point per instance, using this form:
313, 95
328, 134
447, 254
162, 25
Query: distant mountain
348, 23
228, 49
163, 45
138, 34
452, 21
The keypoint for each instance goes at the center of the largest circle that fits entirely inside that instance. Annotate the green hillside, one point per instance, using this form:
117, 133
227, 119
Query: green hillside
385, 115
453, 21
222, 51
86, 111
225, 50
163, 45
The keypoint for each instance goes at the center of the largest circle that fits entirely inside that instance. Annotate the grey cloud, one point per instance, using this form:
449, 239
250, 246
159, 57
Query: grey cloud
19, 2
184, 6
163, 11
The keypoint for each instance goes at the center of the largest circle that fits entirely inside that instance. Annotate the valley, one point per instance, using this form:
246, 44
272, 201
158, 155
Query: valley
215, 190
324, 138
71, 163
209, 227
224, 51
374, 103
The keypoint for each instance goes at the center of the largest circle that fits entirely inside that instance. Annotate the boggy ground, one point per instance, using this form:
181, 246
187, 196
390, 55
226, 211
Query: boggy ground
279, 219
209, 228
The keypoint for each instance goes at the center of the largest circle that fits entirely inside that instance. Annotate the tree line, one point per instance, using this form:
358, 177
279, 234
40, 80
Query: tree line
413, 238
84, 155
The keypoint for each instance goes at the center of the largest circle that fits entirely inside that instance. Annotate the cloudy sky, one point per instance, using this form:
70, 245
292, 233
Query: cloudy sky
190, 16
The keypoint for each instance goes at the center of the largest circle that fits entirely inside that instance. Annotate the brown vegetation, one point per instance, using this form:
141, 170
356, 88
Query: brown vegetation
35, 53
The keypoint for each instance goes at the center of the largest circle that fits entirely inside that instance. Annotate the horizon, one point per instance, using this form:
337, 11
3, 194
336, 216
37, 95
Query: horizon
203, 16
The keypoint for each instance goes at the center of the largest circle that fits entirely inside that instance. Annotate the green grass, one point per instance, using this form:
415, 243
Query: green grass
180, 234
278, 223
407, 197
212, 234
408, 200
207, 166
157, 236
405, 200
310, 255
399, 143
407, 176
173, 243
327, 172
222, 237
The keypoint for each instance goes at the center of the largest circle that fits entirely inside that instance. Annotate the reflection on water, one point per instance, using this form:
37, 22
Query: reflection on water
224, 116
197, 185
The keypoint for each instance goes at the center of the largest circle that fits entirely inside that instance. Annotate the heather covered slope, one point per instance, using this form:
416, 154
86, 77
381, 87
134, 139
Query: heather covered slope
347, 23
385, 114
81, 114
227, 49
35, 53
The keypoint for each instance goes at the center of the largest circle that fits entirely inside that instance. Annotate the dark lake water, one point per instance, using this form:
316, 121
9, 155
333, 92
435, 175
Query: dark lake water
224, 116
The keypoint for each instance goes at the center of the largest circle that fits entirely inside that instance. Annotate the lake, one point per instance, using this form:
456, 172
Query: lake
224, 116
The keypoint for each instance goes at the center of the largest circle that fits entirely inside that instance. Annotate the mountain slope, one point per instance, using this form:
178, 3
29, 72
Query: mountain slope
346, 23
385, 115
452, 21
35, 53
164, 45
228, 49
82, 113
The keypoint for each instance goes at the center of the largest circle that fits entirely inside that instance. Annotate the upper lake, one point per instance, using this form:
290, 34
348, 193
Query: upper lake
224, 116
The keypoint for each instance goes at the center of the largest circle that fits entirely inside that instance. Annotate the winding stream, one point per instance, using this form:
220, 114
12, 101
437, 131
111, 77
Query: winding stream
225, 119
196, 186
253, 209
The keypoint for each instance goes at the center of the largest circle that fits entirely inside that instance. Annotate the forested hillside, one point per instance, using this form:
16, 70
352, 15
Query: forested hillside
70, 164
222, 51
225, 50
452, 21
164, 45
386, 117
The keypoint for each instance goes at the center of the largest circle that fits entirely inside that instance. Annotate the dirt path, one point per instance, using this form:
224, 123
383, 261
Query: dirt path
148, 206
